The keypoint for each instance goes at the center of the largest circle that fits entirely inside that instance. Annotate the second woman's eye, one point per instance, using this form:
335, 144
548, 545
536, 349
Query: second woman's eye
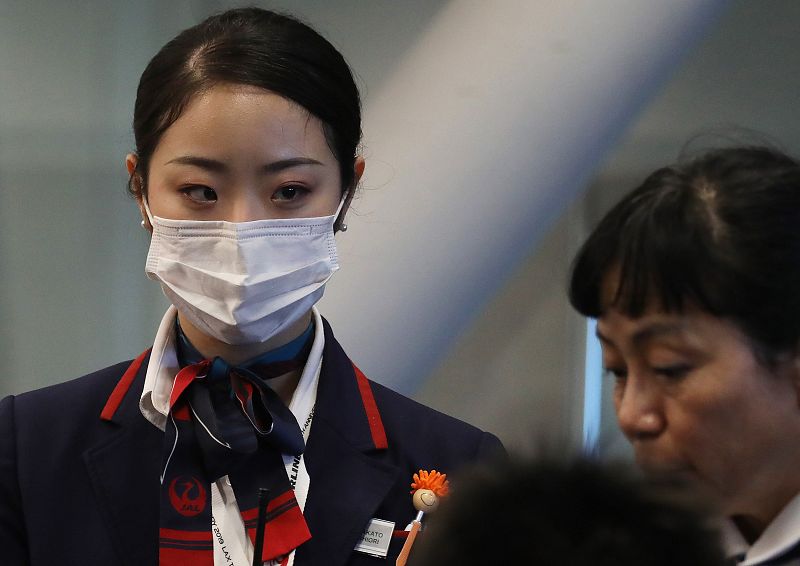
201, 194
673, 372
289, 193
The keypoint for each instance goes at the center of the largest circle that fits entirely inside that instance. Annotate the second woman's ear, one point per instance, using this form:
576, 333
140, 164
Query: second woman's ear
135, 180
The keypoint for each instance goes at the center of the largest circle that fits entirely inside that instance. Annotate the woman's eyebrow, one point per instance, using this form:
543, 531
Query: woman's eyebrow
280, 165
648, 332
217, 166
656, 330
206, 163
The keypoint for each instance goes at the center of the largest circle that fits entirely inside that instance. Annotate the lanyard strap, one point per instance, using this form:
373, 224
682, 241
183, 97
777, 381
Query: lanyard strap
231, 546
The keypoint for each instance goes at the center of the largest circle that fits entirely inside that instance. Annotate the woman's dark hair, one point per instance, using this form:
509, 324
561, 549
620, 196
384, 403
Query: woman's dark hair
720, 232
255, 47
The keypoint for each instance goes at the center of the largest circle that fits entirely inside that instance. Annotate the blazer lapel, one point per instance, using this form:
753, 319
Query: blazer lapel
349, 479
124, 471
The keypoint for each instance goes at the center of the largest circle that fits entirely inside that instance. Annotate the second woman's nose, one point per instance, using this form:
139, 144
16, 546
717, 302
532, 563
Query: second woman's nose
639, 409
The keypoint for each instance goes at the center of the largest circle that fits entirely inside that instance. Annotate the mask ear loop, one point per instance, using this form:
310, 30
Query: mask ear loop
147, 211
338, 224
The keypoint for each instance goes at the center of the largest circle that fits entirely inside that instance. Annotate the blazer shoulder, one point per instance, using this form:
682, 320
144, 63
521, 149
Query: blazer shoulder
70, 399
407, 420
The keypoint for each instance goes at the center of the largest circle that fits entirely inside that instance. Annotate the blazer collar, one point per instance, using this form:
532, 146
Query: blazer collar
345, 399
350, 478
124, 471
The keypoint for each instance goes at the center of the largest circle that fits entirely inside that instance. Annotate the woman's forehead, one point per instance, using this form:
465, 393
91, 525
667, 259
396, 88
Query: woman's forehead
614, 323
235, 122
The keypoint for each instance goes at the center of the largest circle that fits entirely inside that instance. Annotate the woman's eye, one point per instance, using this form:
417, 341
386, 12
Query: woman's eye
201, 194
677, 371
289, 193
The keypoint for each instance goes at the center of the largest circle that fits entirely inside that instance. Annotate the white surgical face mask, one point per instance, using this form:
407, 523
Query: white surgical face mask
242, 282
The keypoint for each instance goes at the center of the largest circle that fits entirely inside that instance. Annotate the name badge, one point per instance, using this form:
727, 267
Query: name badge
375, 540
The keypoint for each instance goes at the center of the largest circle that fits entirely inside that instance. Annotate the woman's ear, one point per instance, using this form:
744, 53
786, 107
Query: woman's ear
358, 168
130, 163
135, 180
358, 171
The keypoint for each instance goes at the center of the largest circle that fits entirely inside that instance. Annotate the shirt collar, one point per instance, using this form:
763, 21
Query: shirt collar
782, 534
164, 366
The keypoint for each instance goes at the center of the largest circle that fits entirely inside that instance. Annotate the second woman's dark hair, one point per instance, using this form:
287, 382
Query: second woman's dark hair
720, 232
255, 47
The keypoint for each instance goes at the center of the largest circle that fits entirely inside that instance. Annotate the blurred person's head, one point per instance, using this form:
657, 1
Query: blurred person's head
552, 513
694, 278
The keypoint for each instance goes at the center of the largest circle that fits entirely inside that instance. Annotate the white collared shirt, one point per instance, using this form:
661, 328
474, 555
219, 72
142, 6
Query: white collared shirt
782, 534
232, 546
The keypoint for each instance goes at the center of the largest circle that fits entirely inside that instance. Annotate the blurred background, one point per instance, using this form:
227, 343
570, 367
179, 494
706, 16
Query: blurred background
496, 134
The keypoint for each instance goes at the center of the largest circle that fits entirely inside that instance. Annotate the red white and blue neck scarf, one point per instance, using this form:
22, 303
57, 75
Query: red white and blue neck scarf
225, 420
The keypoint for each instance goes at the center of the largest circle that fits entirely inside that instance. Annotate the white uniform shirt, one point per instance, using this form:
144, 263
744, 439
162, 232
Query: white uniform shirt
781, 534
232, 546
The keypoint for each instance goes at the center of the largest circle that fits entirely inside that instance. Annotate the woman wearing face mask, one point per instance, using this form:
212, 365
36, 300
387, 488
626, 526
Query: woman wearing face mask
693, 278
247, 127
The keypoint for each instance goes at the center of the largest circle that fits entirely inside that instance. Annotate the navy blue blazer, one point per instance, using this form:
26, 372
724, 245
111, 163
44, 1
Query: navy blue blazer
78, 489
